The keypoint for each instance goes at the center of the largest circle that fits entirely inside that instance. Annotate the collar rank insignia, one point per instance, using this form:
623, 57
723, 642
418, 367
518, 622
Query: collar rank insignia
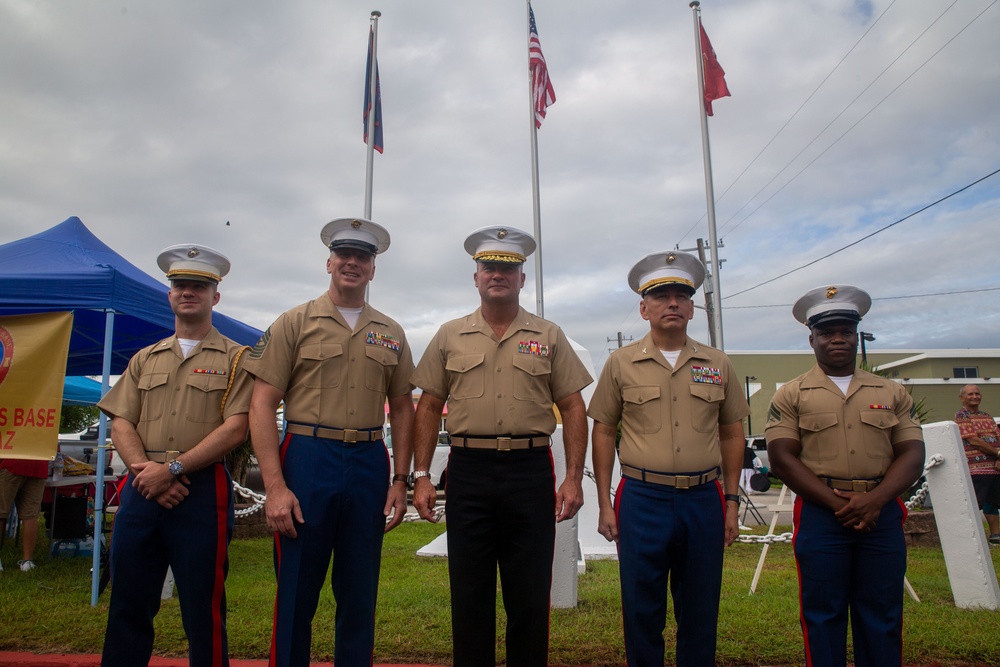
209, 371
876, 406
382, 340
533, 347
706, 374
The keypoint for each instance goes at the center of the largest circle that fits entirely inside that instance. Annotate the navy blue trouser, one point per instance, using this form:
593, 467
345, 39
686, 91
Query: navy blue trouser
341, 488
841, 569
677, 532
193, 540
501, 511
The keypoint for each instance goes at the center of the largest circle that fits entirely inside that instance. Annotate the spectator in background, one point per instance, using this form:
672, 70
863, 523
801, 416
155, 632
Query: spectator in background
980, 437
22, 482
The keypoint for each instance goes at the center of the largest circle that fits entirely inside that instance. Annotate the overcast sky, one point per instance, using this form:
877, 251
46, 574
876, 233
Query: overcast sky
158, 122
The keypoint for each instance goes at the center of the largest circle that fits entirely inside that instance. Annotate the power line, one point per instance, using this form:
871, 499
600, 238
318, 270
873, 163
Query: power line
882, 298
868, 236
834, 120
859, 120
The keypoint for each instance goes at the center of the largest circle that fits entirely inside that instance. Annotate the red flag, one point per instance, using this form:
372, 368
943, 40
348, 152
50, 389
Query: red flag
715, 77
542, 93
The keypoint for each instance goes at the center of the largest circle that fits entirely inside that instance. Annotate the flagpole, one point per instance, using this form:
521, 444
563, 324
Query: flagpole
372, 85
536, 204
709, 190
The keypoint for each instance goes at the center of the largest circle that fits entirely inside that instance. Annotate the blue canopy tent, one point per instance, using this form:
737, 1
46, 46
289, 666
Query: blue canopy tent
68, 268
117, 308
81, 390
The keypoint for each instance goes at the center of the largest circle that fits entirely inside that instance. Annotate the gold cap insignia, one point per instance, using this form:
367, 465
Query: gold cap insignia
831, 292
355, 224
193, 252
502, 234
670, 258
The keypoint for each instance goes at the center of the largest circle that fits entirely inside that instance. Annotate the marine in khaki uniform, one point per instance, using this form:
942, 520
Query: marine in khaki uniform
334, 361
680, 405
180, 406
848, 444
501, 369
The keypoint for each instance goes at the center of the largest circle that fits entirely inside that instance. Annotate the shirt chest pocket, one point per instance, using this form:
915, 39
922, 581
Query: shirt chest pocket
154, 398
877, 427
706, 401
204, 396
641, 408
466, 373
322, 365
381, 362
819, 436
531, 378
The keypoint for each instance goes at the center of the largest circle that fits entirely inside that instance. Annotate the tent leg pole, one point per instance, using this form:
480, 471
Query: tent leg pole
102, 433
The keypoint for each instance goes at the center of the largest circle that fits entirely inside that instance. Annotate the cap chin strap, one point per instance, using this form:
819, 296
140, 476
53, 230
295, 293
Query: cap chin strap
353, 243
848, 316
659, 282
181, 274
499, 256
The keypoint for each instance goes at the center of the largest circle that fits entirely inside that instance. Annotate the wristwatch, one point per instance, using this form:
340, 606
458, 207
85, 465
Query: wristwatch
176, 468
417, 474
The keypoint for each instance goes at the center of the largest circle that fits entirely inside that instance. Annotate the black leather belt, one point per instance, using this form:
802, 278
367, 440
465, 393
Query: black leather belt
670, 479
501, 443
343, 434
856, 485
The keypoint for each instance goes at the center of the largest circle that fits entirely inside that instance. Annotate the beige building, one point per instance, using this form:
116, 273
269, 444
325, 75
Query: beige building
936, 376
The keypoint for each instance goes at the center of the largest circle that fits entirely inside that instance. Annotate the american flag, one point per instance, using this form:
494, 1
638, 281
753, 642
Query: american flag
378, 96
542, 93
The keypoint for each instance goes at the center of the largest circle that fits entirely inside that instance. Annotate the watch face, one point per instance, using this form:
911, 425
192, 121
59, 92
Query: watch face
176, 468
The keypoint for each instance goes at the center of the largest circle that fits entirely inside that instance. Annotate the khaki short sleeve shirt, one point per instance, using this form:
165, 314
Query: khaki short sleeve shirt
174, 401
330, 375
670, 416
501, 387
847, 437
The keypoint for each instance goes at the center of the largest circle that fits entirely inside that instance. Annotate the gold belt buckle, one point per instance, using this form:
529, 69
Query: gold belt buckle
170, 456
503, 444
350, 435
859, 485
683, 481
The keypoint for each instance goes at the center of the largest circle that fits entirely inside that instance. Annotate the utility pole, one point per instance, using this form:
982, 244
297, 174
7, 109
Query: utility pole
620, 339
707, 287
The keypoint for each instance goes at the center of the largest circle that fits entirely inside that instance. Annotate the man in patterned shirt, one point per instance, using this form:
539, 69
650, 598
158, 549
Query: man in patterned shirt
979, 437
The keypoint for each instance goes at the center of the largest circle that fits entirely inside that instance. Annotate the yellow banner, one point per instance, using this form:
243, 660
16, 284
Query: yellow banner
33, 351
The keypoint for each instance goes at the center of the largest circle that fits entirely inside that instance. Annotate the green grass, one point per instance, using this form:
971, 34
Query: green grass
48, 611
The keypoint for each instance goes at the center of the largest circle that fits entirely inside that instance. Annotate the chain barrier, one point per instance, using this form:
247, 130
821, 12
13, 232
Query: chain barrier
765, 539
916, 501
258, 502
257, 499
411, 517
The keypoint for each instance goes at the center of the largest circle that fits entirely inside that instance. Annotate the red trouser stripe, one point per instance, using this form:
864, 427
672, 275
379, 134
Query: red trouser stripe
221, 547
796, 517
272, 658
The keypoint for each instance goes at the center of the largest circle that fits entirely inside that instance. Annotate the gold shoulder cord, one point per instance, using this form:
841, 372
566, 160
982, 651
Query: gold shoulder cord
232, 377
